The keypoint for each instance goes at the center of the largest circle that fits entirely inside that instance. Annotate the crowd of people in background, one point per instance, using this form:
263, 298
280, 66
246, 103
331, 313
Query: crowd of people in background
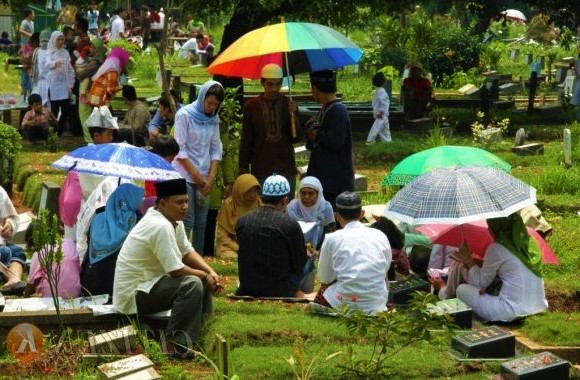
144, 246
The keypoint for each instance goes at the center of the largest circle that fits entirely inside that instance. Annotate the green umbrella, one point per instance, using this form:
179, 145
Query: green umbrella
441, 157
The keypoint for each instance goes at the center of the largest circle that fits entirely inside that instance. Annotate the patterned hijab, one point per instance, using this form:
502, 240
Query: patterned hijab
511, 233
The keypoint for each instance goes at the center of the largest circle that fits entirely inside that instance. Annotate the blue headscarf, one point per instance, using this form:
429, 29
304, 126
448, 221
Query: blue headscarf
110, 227
195, 110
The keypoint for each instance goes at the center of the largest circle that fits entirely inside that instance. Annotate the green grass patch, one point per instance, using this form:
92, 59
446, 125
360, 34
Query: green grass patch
553, 329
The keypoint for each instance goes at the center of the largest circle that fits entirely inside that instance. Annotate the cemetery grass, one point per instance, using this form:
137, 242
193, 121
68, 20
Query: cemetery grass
262, 335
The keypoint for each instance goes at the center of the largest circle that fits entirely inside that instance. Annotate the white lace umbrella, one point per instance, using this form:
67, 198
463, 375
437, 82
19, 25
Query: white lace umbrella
460, 195
118, 160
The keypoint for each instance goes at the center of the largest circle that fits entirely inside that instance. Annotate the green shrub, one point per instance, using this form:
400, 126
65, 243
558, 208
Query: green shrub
10, 147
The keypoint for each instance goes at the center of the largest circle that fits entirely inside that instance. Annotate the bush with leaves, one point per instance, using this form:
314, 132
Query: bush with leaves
10, 147
540, 29
389, 332
452, 49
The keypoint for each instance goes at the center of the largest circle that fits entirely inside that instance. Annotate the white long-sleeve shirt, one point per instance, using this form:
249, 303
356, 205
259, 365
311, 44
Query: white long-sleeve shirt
61, 75
381, 102
358, 259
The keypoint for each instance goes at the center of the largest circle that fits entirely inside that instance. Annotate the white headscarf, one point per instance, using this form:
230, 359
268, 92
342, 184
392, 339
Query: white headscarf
320, 212
51, 43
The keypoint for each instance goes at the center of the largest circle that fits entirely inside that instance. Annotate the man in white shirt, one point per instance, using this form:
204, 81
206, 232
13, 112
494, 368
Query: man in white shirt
354, 261
158, 269
118, 25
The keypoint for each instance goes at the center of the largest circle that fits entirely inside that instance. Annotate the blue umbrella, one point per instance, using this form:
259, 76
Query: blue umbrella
460, 195
118, 160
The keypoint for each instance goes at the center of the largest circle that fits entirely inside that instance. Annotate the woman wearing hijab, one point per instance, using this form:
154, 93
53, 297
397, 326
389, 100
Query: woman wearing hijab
244, 198
200, 150
61, 78
312, 207
106, 80
108, 231
516, 262
39, 76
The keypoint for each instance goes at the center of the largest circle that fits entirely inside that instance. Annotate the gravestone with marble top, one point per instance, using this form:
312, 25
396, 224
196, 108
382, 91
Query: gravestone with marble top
488, 342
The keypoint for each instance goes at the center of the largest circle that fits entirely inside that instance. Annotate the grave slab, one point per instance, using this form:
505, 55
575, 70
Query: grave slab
529, 149
113, 342
488, 342
400, 292
125, 367
543, 365
461, 314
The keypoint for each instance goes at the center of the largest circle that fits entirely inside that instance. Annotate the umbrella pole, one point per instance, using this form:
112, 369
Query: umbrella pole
292, 114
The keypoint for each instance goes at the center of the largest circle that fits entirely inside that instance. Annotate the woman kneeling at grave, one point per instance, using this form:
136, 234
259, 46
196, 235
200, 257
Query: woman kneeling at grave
245, 198
516, 262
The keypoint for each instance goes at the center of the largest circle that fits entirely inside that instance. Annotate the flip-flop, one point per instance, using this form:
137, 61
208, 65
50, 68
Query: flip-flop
15, 290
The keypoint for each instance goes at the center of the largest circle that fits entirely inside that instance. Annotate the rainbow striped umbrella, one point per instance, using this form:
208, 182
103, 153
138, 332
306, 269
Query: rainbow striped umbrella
298, 47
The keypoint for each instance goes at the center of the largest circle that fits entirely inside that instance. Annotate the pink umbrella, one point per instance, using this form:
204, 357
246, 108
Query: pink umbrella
478, 238
514, 14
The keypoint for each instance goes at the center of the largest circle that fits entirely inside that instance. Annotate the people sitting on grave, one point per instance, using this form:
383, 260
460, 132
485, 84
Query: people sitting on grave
444, 273
311, 207
162, 121
400, 263
11, 255
158, 269
516, 262
68, 285
245, 197
205, 49
133, 128
107, 232
37, 121
272, 254
417, 93
354, 261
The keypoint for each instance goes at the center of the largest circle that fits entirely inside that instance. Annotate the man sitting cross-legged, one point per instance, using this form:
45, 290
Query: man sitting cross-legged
158, 269
272, 253
354, 261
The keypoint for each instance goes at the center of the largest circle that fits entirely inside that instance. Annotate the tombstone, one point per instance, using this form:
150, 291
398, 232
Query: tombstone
460, 313
24, 220
514, 54
360, 182
561, 73
528, 58
137, 367
114, 342
529, 149
520, 137
567, 147
468, 89
488, 342
543, 365
49, 197
400, 292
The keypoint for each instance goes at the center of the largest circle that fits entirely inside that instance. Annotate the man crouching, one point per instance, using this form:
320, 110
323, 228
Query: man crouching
158, 269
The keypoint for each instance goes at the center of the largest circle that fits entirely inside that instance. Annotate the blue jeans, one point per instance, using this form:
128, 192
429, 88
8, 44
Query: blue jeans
196, 217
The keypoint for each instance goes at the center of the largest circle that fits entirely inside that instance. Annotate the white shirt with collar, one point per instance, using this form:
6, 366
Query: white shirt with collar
153, 248
358, 259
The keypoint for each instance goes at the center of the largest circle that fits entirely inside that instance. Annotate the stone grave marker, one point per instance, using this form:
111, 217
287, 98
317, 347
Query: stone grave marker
122, 369
461, 314
400, 291
529, 149
49, 197
114, 342
520, 137
541, 366
567, 147
488, 342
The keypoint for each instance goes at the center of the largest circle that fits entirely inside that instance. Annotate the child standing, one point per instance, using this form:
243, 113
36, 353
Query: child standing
380, 111
36, 122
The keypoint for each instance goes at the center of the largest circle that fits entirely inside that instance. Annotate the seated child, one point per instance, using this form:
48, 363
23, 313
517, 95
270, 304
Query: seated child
69, 285
37, 121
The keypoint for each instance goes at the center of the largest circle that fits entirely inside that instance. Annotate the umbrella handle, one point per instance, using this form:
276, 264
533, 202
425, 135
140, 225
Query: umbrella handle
293, 124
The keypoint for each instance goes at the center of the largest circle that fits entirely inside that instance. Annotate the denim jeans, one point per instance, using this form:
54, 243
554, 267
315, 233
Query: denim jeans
196, 217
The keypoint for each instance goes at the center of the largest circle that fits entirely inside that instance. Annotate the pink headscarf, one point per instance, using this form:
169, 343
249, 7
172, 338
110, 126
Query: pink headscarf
116, 60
